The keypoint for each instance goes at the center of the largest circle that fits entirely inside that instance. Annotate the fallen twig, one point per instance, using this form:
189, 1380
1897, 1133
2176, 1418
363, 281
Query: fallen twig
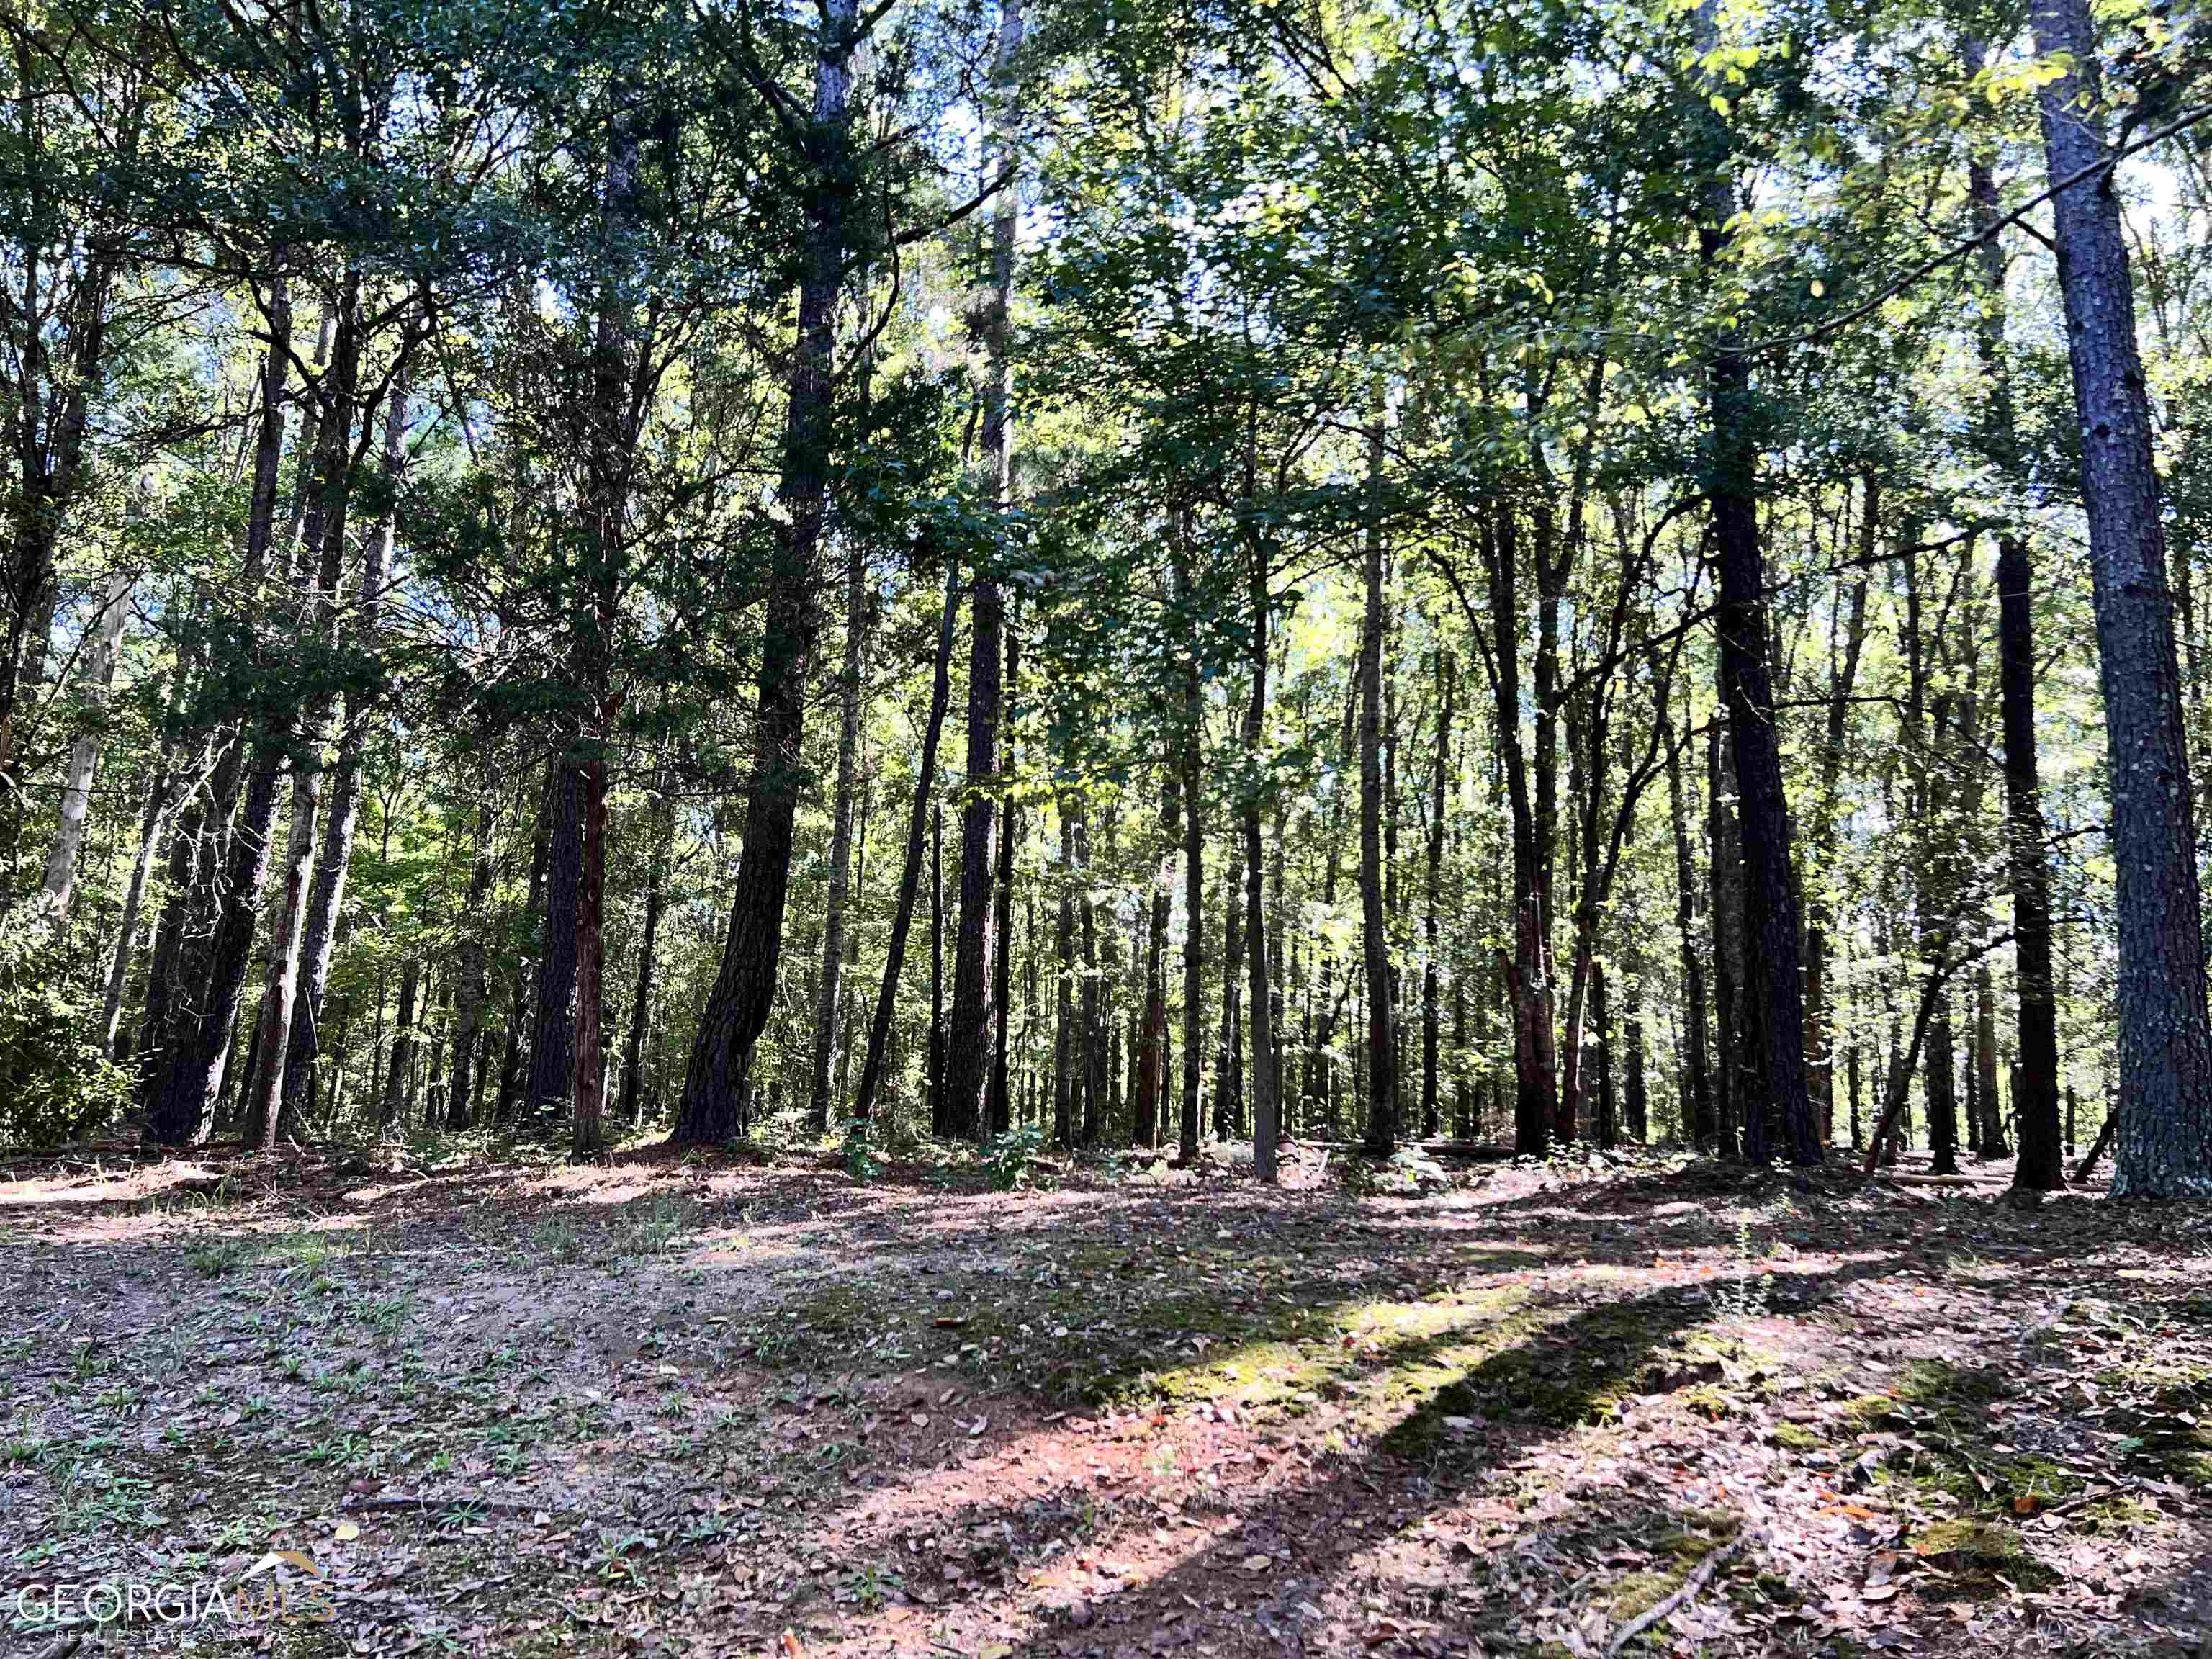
495, 1505
1699, 1576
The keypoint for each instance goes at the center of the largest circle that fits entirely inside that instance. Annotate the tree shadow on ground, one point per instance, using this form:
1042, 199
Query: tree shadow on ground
1463, 1406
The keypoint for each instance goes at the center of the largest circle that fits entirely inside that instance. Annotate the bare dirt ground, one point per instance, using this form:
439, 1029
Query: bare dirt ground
715, 1409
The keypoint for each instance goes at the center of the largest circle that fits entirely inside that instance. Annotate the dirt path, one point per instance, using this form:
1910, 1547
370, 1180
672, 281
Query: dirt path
703, 1410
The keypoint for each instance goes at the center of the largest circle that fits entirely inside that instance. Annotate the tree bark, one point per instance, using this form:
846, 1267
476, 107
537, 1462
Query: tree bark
1774, 1026
2163, 1148
398, 1093
918, 818
1267, 1123
1375, 937
95, 673
828, 1007
344, 815
1432, 921
1703, 1124
717, 1079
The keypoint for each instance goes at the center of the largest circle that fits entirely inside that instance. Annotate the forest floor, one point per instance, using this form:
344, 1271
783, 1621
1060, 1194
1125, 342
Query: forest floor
729, 1406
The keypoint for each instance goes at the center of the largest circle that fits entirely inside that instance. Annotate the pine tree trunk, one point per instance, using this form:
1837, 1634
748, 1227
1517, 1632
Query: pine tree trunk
717, 1078
2164, 1146
553, 1030
1773, 1025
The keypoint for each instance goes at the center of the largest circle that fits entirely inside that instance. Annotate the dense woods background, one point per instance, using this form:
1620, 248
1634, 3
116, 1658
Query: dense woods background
1108, 574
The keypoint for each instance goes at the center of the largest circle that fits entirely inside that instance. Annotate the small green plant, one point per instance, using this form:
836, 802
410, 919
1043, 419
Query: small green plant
1009, 1160
859, 1157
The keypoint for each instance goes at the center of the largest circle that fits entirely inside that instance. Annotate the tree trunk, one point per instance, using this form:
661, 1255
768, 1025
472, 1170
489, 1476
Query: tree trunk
1843, 678
1064, 1047
540, 857
469, 969
190, 1016
396, 1091
1774, 1022
343, 812
918, 818
1375, 938
95, 673
1985, 1066
2035, 1097
2164, 1146
1431, 921
1002, 966
716, 1080
1229, 1072
1703, 1124
553, 1030
1266, 1122
829, 1005
1726, 868
935, 1059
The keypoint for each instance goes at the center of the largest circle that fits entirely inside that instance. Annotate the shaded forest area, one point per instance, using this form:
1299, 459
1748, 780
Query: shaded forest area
985, 826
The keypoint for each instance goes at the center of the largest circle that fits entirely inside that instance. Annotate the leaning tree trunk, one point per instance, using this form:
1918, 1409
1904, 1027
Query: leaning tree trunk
720, 1071
2163, 1148
918, 817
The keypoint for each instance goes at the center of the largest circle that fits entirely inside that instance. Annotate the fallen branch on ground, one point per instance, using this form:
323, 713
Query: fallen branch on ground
1703, 1571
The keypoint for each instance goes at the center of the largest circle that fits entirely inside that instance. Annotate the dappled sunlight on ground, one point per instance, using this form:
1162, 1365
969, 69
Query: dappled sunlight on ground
521, 1409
